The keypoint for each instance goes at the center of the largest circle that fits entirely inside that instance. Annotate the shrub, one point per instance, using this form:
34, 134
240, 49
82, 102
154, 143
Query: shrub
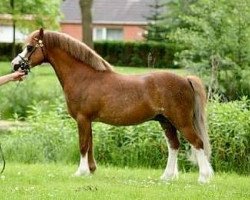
6, 51
51, 136
18, 98
122, 53
137, 53
47, 136
234, 83
229, 128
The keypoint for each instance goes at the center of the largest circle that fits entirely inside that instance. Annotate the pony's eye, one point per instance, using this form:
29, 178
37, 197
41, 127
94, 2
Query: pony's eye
29, 48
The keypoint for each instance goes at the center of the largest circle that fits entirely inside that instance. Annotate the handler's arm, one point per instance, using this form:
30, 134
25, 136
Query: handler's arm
16, 76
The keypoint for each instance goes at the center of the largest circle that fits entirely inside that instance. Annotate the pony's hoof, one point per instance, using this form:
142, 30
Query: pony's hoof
205, 178
81, 173
92, 168
169, 177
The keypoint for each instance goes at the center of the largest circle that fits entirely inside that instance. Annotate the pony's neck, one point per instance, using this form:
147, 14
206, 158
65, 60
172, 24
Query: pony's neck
67, 67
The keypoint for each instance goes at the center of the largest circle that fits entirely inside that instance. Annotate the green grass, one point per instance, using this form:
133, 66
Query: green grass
54, 181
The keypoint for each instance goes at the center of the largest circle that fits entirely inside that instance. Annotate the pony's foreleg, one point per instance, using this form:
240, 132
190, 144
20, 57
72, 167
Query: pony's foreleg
171, 170
91, 159
85, 132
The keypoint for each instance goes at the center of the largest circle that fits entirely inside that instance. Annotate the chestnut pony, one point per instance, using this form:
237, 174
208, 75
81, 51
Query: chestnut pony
94, 92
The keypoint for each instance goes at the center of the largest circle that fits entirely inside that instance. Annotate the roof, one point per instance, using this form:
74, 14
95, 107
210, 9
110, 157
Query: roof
109, 11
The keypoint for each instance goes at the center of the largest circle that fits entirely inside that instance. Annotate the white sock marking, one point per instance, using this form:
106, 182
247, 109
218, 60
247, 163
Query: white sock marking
205, 169
83, 168
171, 170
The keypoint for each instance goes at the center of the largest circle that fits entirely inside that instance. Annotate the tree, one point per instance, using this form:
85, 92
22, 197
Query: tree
155, 30
87, 37
215, 34
12, 5
174, 10
28, 15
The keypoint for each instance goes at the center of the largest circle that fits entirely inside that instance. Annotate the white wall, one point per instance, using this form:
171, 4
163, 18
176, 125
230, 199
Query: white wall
6, 34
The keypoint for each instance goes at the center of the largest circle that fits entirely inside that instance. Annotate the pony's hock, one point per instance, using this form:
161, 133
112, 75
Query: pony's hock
94, 92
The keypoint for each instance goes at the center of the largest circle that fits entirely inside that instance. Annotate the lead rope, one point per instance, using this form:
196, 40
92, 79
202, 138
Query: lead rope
2, 157
1, 150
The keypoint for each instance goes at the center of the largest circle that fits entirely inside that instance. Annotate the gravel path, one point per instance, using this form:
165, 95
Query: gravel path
5, 125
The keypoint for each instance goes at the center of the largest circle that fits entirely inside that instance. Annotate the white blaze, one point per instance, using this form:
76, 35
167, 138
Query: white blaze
17, 59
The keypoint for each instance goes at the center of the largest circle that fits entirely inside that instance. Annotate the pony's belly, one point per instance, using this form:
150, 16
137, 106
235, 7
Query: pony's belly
125, 120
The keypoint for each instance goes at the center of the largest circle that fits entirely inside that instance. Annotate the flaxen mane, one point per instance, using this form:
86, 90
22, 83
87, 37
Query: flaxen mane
77, 49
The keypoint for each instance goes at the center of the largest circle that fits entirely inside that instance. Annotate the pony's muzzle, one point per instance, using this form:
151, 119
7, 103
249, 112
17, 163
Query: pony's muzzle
23, 66
16, 67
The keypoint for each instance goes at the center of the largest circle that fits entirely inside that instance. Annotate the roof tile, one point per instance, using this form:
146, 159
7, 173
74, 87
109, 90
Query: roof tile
107, 11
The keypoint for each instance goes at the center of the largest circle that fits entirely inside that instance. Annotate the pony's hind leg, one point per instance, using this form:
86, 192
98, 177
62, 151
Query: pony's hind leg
205, 169
171, 170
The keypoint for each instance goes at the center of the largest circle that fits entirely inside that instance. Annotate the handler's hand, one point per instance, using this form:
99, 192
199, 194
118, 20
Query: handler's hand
17, 76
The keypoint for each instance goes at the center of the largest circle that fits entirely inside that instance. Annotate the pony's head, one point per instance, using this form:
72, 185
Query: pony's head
34, 53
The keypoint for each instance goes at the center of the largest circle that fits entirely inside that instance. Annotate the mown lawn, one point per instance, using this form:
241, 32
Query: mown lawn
54, 181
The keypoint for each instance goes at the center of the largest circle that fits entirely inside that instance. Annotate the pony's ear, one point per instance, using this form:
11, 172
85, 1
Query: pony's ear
41, 34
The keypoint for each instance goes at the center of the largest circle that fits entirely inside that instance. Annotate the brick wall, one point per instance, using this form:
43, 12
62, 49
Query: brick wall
130, 32
133, 33
74, 30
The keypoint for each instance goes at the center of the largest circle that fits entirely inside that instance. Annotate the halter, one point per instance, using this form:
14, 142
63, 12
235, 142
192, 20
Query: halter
25, 64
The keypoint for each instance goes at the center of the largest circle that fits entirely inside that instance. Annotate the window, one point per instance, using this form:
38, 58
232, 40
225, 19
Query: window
6, 34
99, 34
114, 34
108, 34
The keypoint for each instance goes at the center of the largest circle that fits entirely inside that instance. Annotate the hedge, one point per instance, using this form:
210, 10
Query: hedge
142, 54
159, 55
6, 51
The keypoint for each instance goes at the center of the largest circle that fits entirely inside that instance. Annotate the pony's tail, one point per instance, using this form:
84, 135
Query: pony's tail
199, 112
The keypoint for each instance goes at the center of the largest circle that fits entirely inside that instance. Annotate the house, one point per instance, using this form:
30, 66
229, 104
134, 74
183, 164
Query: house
112, 20
6, 30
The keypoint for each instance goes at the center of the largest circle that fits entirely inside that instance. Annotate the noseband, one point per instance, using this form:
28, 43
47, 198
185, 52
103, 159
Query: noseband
25, 63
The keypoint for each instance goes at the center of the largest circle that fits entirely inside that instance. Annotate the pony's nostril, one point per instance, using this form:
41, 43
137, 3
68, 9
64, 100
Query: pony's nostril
16, 67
